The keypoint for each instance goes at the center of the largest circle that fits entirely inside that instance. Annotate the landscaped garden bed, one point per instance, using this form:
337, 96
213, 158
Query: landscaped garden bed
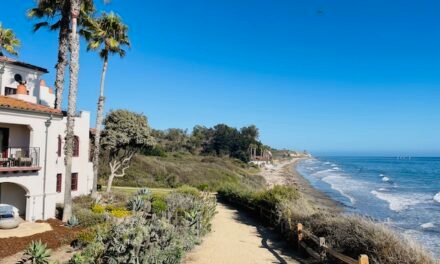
58, 236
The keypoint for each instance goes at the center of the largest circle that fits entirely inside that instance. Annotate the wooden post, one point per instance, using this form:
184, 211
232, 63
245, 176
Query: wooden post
363, 259
300, 235
322, 250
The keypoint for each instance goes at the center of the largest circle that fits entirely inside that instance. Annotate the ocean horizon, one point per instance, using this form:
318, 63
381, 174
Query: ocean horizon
402, 192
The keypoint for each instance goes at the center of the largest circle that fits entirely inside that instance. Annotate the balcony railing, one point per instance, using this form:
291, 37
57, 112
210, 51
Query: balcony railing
19, 159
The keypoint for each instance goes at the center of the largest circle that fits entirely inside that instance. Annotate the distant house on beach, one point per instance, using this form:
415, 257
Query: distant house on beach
32, 144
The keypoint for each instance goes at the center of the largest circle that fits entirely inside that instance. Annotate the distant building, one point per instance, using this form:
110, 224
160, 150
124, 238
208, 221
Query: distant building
29, 181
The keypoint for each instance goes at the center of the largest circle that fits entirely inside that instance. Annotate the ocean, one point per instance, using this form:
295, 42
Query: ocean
404, 193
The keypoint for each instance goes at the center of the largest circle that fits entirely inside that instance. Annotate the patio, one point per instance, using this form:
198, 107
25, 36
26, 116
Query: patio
25, 229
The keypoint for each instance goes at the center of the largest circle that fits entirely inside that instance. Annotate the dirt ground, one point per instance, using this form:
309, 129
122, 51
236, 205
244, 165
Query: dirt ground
11, 248
237, 238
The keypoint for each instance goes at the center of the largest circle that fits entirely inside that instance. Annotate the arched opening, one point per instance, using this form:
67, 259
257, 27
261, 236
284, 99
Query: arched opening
15, 195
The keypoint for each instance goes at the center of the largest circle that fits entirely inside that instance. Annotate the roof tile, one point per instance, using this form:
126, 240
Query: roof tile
12, 103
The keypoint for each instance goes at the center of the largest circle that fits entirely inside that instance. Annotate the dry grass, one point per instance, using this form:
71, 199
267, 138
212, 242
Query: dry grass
186, 169
354, 235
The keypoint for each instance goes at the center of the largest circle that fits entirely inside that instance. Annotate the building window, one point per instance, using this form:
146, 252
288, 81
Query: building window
9, 91
59, 180
75, 146
74, 181
59, 146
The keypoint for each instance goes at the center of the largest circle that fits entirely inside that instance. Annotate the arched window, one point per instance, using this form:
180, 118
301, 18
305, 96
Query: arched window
60, 142
75, 146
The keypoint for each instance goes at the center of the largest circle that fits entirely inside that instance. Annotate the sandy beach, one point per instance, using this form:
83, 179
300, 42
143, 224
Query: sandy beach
283, 172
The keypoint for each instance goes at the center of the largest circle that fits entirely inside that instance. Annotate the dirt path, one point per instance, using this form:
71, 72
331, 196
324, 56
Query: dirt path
237, 238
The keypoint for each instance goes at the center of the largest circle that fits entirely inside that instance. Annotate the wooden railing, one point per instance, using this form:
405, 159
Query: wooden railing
321, 251
324, 250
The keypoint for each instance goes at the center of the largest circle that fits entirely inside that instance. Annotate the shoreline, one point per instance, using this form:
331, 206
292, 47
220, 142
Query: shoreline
285, 173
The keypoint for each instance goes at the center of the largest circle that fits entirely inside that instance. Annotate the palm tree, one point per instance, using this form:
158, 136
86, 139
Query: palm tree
8, 41
71, 106
56, 16
108, 34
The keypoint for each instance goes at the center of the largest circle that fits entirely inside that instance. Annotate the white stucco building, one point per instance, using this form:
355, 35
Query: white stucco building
31, 175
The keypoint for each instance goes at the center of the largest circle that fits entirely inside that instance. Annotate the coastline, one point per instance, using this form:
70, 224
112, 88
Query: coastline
285, 173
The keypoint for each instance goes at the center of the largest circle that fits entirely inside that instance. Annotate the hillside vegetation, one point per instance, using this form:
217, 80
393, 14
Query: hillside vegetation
177, 169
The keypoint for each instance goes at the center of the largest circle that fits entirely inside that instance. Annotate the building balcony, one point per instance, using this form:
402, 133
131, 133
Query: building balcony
19, 159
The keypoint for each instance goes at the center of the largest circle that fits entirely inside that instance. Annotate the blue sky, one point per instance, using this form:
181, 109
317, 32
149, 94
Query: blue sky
333, 77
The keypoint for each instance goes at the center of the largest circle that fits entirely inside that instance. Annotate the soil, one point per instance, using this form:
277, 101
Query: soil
59, 235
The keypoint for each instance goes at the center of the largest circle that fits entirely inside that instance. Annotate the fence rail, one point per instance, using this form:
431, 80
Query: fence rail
321, 252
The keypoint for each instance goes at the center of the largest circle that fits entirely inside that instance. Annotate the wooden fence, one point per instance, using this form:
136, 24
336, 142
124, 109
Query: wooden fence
320, 251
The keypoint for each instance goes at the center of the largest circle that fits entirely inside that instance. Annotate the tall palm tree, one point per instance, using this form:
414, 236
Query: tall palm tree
8, 41
56, 16
71, 106
108, 34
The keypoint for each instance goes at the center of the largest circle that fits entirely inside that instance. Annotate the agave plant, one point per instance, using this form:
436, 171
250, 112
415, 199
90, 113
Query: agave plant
73, 221
144, 191
136, 203
36, 253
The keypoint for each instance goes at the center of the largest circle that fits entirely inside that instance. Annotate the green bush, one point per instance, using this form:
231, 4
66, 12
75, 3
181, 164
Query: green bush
98, 209
120, 213
152, 240
276, 195
188, 190
159, 206
87, 218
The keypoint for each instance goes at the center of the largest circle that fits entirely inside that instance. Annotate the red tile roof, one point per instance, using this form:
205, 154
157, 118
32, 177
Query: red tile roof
22, 64
12, 103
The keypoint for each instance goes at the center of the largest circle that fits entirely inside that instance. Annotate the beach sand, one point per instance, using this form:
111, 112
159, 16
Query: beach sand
283, 172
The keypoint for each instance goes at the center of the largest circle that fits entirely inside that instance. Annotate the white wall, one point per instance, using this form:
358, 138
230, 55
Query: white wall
32, 78
33, 181
19, 135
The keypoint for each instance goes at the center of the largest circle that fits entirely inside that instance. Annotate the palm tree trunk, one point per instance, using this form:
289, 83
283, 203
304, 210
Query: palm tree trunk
71, 109
99, 118
63, 45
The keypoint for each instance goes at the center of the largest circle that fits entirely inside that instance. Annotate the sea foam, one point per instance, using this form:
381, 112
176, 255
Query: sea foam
385, 179
437, 197
397, 202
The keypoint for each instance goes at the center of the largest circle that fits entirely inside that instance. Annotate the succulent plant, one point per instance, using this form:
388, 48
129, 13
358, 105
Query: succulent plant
36, 253
144, 191
73, 221
136, 203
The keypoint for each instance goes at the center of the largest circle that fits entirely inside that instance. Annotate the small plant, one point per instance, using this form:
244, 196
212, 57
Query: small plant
36, 253
144, 191
73, 221
98, 209
158, 206
136, 203
120, 213
188, 190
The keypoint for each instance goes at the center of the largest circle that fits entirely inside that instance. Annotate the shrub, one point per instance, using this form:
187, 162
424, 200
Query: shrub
86, 236
185, 189
87, 218
158, 206
120, 213
98, 209
276, 195
36, 253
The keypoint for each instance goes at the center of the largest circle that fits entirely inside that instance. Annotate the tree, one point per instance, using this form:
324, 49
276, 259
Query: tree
8, 41
108, 34
55, 15
125, 134
71, 107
